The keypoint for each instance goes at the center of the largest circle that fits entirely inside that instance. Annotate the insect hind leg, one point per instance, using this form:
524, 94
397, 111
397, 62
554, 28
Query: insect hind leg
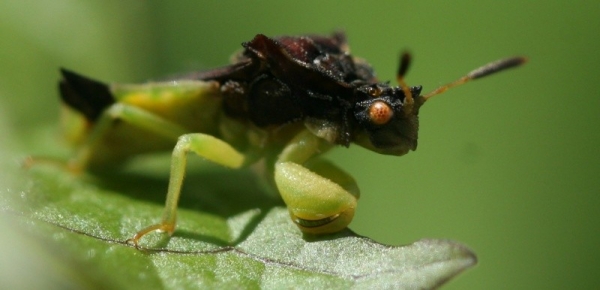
118, 112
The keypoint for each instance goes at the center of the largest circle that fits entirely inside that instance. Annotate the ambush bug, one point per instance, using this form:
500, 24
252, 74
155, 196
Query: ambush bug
285, 100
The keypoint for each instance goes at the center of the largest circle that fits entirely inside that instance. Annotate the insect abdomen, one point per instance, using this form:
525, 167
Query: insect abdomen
90, 97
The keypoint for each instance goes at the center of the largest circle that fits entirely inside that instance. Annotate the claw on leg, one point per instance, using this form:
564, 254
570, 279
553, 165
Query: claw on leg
163, 228
72, 166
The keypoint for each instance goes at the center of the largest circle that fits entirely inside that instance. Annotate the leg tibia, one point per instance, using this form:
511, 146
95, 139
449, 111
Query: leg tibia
203, 145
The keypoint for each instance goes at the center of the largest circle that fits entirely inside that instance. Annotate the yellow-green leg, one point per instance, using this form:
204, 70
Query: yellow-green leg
320, 197
132, 115
120, 112
203, 145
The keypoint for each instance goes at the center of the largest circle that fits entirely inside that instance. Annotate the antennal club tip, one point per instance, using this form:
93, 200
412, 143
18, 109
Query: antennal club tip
497, 66
405, 59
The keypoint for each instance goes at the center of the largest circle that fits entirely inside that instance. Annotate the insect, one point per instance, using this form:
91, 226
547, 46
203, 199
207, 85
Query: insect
285, 100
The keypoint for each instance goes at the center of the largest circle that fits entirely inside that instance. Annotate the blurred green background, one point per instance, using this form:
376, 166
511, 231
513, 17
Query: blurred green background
507, 165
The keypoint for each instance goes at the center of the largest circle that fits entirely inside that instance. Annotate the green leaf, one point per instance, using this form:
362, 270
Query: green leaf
230, 235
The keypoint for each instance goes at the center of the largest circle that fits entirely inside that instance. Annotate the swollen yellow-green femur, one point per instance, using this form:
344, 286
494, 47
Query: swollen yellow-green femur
317, 204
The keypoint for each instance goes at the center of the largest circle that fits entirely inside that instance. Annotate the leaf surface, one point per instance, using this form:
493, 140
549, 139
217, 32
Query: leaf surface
230, 235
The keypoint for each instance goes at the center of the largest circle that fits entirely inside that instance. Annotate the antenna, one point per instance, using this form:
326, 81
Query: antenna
486, 70
405, 60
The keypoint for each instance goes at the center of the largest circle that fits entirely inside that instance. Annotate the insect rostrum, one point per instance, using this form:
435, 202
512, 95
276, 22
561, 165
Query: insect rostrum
285, 99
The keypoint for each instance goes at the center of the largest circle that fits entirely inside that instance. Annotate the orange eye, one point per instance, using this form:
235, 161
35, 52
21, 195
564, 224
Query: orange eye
380, 113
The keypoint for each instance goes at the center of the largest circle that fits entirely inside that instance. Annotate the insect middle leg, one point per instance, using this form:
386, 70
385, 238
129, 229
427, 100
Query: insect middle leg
206, 146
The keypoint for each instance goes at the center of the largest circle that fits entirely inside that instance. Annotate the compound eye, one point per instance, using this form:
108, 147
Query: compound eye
374, 91
380, 113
